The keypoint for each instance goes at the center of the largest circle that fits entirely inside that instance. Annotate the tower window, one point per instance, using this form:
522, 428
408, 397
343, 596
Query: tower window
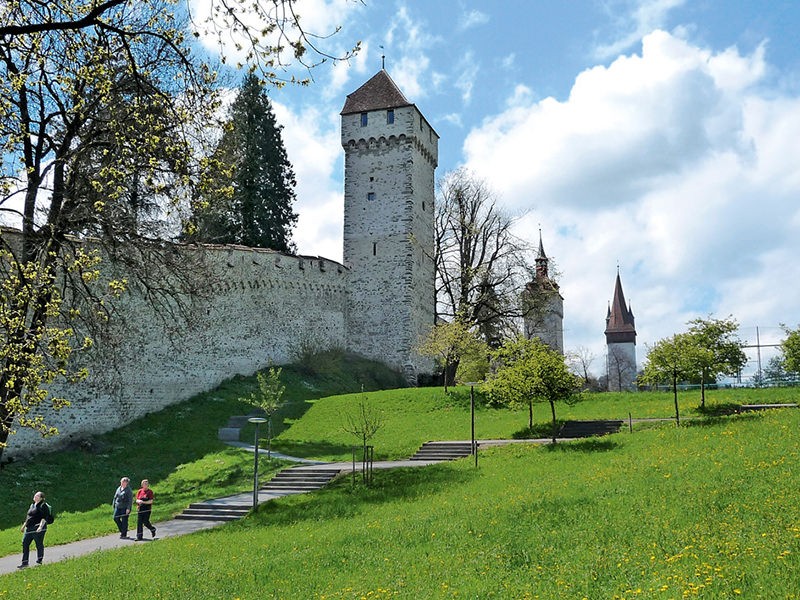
374, 248
371, 196
390, 116
364, 119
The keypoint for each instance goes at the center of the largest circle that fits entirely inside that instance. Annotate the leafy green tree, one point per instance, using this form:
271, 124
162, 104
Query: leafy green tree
251, 202
725, 355
100, 108
268, 398
790, 347
672, 360
448, 343
531, 372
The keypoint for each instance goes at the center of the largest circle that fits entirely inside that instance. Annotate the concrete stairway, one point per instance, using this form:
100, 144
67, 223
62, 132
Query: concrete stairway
581, 429
299, 480
214, 511
443, 451
296, 480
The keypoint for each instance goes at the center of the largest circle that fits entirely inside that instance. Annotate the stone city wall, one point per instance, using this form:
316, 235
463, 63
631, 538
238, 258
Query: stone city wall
262, 308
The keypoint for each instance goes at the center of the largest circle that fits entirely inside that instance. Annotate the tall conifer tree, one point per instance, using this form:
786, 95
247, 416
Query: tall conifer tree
251, 201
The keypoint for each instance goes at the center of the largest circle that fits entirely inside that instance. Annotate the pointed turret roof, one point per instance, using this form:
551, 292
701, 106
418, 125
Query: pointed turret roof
541, 254
379, 93
620, 325
542, 263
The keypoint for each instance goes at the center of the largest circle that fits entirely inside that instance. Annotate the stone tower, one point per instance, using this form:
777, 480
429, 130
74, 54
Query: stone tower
391, 153
543, 305
621, 343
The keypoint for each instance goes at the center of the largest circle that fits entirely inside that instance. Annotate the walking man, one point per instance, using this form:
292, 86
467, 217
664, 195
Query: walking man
122, 503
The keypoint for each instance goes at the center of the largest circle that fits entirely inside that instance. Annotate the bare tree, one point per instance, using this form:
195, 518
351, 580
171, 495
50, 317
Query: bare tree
267, 31
481, 266
620, 369
364, 424
580, 361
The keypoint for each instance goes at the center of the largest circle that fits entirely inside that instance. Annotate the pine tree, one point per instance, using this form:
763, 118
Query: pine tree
250, 202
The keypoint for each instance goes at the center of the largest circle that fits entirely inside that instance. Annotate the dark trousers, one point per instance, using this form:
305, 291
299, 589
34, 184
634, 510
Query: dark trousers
142, 521
121, 519
33, 536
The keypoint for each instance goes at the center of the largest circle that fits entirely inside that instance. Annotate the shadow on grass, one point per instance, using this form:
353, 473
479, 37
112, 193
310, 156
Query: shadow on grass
539, 430
315, 449
342, 499
714, 421
588, 445
719, 410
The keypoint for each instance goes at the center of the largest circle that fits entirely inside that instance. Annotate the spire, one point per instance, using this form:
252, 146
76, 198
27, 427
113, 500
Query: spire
542, 262
620, 325
541, 246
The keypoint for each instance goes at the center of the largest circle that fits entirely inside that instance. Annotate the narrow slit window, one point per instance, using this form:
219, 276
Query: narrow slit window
371, 196
374, 248
364, 119
390, 116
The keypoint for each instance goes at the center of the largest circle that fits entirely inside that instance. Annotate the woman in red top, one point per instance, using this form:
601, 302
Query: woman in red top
144, 503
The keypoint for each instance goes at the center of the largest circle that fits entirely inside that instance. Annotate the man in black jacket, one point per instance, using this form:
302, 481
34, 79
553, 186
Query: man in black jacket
34, 528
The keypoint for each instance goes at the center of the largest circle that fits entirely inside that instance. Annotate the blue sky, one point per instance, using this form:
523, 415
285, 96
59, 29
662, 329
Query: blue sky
658, 135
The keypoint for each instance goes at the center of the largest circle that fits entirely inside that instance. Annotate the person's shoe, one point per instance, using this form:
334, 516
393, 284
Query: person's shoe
124, 536
23, 566
153, 532
39, 561
138, 539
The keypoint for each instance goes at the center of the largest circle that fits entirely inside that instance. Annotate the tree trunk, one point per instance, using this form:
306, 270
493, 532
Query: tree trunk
530, 416
702, 389
553, 410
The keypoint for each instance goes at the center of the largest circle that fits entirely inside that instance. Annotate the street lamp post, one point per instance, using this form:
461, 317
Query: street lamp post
257, 421
474, 444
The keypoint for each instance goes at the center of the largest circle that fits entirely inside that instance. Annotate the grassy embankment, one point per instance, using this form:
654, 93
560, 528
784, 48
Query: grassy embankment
707, 510
176, 449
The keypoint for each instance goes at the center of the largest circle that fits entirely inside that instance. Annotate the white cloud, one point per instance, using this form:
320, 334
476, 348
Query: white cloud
674, 164
314, 149
472, 18
635, 22
468, 74
409, 66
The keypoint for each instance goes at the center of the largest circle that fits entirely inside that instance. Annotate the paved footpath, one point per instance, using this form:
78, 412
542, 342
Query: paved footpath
176, 527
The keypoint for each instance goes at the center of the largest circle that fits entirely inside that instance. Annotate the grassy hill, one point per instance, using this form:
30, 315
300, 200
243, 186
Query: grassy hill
705, 510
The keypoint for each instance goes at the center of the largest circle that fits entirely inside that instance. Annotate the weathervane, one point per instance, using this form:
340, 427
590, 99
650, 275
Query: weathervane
383, 59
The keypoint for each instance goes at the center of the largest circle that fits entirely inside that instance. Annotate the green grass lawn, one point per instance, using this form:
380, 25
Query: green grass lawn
705, 510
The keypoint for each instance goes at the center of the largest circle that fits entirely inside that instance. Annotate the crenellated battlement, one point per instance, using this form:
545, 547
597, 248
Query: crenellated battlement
261, 308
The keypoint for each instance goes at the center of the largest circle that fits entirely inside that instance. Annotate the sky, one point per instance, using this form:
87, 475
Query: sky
659, 138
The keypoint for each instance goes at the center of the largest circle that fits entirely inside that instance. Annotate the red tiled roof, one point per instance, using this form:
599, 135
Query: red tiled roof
379, 93
620, 318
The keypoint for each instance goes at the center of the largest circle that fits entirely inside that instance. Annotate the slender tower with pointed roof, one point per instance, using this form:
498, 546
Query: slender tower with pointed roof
391, 153
621, 342
543, 305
